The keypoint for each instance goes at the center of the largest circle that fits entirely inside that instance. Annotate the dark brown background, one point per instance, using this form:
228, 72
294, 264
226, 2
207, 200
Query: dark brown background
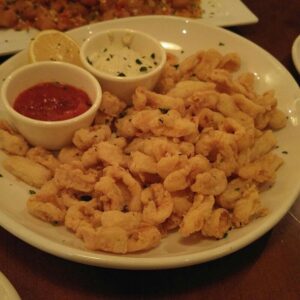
267, 269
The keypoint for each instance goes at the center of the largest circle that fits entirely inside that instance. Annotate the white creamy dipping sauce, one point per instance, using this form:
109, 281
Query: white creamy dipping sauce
119, 59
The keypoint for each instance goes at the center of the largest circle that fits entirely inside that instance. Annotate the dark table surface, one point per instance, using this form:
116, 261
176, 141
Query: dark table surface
269, 268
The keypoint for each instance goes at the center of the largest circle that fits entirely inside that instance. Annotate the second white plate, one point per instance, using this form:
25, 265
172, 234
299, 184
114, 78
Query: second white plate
216, 12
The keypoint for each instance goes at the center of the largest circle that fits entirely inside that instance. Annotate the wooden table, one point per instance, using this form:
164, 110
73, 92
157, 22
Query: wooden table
267, 269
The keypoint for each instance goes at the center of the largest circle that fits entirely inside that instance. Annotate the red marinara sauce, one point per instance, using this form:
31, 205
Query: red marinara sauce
52, 101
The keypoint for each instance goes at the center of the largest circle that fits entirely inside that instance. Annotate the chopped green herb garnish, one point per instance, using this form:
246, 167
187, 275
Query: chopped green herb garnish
111, 55
121, 74
85, 197
138, 61
32, 192
221, 44
122, 114
105, 49
1, 175
164, 110
125, 209
108, 59
143, 69
89, 61
152, 55
176, 66
284, 152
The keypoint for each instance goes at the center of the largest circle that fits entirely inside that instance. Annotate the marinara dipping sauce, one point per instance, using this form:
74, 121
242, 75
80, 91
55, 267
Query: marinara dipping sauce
52, 101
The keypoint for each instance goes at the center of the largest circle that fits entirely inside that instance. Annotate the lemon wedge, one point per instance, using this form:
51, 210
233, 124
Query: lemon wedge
55, 46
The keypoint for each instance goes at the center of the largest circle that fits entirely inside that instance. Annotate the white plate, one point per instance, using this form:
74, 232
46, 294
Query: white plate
216, 12
296, 53
7, 291
184, 37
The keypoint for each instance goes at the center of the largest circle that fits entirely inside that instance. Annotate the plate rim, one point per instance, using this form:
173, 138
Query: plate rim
10, 291
295, 54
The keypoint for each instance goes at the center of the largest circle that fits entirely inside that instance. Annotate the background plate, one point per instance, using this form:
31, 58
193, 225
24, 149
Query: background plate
182, 37
216, 12
7, 291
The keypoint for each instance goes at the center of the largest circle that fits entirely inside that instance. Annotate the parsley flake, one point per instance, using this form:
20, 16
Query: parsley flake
138, 61
86, 197
89, 61
164, 110
122, 114
143, 69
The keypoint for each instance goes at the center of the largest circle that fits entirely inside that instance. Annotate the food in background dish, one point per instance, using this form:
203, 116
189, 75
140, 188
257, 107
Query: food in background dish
194, 156
66, 14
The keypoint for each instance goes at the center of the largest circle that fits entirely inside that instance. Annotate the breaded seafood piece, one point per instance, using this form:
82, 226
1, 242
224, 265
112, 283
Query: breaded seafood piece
82, 214
233, 192
128, 189
10, 141
159, 147
110, 154
142, 163
116, 239
127, 220
217, 224
230, 62
84, 138
68, 154
43, 157
263, 169
169, 164
183, 177
248, 208
27, 170
211, 182
143, 238
157, 204
109, 239
73, 176
169, 124
110, 194
197, 215
111, 105
143, 97
46, 211
187, 88
209, 61
220, 148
